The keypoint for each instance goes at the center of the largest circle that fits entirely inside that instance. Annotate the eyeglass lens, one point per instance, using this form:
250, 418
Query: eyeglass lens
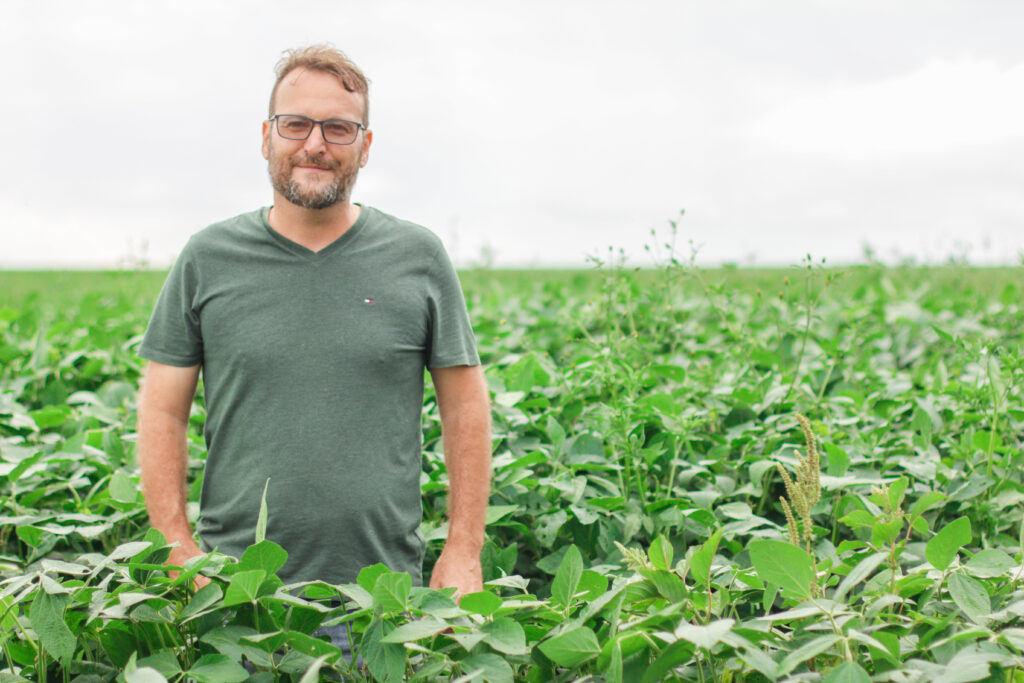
336, 131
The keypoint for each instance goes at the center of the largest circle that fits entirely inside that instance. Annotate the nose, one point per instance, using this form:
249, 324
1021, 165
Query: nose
316, 139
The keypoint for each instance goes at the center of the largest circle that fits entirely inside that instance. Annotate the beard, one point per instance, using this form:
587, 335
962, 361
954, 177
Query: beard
323, 194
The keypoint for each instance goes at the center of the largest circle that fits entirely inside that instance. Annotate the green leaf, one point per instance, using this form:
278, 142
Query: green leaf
416, 630
926, 501
123, 488
847, 672
215, 668
592, 585
672, 656
990, 563
571, 648
47, 615
700, 562
205, 598
506, 636
265, 555
144, 674
970, 596
942, 548
386, 661
164, 661
391, 592
368, 576
244, 587
859, 573
660, 553
673, 372
705, 636
261, 518
312, 674
806, 651
668, 584
613, 672
51, 416
480, 603
494, 668
785, 565
838, 460
497, 512
567, 578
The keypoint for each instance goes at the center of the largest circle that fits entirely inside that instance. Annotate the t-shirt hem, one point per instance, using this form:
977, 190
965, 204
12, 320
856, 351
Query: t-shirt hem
453, 361
169, 358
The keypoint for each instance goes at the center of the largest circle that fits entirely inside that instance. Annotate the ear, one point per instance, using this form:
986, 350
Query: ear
364, 156
267, 129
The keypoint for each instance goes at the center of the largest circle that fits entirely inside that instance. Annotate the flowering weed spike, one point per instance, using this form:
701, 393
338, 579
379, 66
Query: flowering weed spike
794, 533
804, 492
634, 559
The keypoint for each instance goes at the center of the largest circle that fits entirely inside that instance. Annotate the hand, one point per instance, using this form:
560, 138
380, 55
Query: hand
460, 570
182, 554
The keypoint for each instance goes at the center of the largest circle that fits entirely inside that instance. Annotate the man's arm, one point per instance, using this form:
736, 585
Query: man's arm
164, 405
466, 430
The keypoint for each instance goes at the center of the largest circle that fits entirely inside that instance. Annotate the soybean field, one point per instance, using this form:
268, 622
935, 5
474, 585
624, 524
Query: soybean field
798, 474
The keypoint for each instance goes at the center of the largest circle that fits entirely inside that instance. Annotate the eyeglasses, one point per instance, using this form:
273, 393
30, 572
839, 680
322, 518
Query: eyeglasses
335, 131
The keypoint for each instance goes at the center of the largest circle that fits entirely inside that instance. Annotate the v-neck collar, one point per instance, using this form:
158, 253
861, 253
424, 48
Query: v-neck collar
305, 252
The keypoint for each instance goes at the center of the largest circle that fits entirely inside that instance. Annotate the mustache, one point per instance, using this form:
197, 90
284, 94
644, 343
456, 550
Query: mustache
319, 162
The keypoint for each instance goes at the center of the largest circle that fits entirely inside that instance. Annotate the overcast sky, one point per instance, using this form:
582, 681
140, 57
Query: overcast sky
533, 132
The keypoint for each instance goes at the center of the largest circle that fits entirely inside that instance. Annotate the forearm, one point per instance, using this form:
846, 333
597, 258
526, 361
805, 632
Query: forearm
467, 445
164, 405
163, 457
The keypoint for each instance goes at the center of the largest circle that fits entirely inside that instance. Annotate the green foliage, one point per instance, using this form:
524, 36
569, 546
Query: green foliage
642, 425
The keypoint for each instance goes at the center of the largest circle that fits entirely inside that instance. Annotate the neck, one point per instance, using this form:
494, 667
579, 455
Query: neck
312, 228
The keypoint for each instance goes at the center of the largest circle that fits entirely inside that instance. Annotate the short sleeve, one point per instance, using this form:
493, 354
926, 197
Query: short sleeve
451, 339
173, 336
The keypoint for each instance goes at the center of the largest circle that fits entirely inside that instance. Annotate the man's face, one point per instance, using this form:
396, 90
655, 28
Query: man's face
313, 173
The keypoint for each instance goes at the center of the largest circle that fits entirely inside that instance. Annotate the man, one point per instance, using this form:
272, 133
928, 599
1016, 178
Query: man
312, 321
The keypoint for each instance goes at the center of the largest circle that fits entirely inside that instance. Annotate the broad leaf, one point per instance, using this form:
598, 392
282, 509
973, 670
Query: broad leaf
494, 667
970, 596
700, 562
217, 669
847, 672
265, 555
785, 565
415, 630
480, 603
705, 636
386, 661
506, 636
571, 648
391, 592
660, 553
567, 578
942, 548
47, 615
244, 587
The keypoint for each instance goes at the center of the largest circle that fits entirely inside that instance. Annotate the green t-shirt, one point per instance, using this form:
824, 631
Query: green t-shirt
313, 367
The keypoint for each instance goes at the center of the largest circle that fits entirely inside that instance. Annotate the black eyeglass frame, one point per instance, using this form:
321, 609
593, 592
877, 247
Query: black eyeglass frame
276, 118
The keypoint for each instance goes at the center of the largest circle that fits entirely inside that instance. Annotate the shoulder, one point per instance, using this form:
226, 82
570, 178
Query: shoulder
231, 231
400, 233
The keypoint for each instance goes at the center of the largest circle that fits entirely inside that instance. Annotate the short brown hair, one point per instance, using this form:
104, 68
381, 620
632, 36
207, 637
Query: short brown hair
327, 59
